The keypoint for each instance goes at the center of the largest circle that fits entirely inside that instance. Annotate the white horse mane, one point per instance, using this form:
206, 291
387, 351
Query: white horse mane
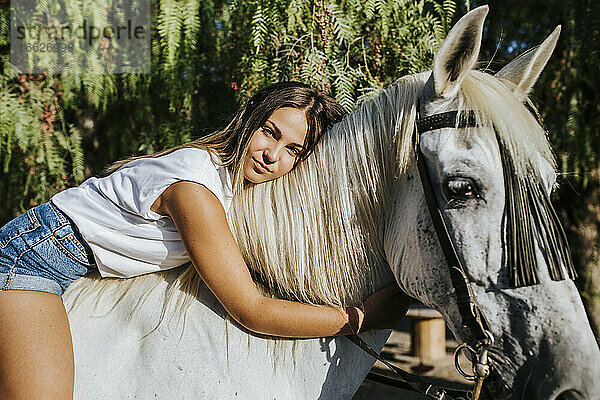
500, 108
315, 235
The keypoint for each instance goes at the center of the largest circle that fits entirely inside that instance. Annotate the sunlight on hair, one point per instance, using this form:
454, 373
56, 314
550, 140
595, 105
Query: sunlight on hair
497, 106
316, 234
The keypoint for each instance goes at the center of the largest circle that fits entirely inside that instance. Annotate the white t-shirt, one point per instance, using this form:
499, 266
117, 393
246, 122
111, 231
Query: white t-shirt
113, 213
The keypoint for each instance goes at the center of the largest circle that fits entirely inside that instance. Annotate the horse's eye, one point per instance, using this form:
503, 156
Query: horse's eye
460, 188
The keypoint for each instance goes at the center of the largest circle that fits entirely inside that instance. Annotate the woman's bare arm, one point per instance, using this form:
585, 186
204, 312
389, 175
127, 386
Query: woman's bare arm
202, 224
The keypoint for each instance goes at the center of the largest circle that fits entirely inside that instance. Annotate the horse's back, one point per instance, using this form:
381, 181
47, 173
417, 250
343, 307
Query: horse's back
123, 350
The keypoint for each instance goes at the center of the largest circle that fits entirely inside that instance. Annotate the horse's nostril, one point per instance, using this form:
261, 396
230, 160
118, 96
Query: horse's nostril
570, 395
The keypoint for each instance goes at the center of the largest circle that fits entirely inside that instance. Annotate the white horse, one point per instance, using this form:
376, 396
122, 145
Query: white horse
329, 233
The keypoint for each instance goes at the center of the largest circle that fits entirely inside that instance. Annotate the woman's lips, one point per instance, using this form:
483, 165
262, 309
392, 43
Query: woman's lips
260, 167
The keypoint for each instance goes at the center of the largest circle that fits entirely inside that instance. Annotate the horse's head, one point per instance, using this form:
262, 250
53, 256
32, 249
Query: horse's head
491, 181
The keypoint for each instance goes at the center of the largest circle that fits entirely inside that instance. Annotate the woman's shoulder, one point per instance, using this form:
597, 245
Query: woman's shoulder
177, 160
192, 155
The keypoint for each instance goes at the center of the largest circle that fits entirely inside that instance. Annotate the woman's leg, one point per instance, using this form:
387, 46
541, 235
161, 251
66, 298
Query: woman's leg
36, 351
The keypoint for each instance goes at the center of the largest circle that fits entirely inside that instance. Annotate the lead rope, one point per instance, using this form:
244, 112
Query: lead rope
409, 381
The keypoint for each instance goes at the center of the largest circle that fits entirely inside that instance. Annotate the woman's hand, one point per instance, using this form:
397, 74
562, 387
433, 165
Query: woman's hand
384, 308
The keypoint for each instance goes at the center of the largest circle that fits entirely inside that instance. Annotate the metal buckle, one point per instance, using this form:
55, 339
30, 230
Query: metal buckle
434, 393
481, 367
457, 352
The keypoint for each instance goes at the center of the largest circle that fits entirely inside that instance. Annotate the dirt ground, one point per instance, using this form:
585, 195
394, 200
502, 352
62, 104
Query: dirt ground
398, 352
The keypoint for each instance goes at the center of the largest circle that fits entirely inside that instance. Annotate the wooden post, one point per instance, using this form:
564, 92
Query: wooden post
428, 333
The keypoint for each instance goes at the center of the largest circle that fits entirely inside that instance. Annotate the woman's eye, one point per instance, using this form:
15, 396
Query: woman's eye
267, 131
294, 151
460, 188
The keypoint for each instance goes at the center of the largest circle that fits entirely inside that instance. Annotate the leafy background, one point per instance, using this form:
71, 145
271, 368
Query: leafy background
208, 56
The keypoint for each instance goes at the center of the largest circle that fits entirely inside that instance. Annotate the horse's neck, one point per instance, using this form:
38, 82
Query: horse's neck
375, 144
376, 151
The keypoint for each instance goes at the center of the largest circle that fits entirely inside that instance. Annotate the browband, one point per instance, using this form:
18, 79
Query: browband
447, 120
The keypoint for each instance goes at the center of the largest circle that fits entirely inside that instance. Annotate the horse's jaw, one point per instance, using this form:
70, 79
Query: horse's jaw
543, 344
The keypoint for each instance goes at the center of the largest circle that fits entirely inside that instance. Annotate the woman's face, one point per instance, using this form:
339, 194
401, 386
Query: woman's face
274, 147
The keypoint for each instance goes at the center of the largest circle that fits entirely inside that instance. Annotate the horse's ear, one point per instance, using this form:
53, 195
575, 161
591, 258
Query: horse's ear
524, 70
458, 53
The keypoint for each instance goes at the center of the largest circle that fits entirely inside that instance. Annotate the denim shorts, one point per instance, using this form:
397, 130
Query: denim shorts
42, 250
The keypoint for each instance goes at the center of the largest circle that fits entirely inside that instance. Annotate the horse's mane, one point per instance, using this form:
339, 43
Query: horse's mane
500, 109
316, 234
528, 171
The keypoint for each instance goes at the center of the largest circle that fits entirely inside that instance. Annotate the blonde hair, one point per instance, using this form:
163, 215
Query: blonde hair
316, 234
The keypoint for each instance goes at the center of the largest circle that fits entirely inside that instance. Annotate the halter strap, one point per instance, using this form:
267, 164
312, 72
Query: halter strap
447, 120
470, 311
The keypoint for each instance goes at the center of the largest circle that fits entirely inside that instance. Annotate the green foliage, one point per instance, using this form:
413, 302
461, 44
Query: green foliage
206, 56
40, 153
446, 10
343, 48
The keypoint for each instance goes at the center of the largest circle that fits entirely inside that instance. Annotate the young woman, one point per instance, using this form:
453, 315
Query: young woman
156, 212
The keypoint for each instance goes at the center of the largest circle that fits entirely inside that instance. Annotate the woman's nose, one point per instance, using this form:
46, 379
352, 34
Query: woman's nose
271, 154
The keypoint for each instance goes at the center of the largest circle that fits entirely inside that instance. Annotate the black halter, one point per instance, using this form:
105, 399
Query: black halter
471, 314
529, 218
470, 311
